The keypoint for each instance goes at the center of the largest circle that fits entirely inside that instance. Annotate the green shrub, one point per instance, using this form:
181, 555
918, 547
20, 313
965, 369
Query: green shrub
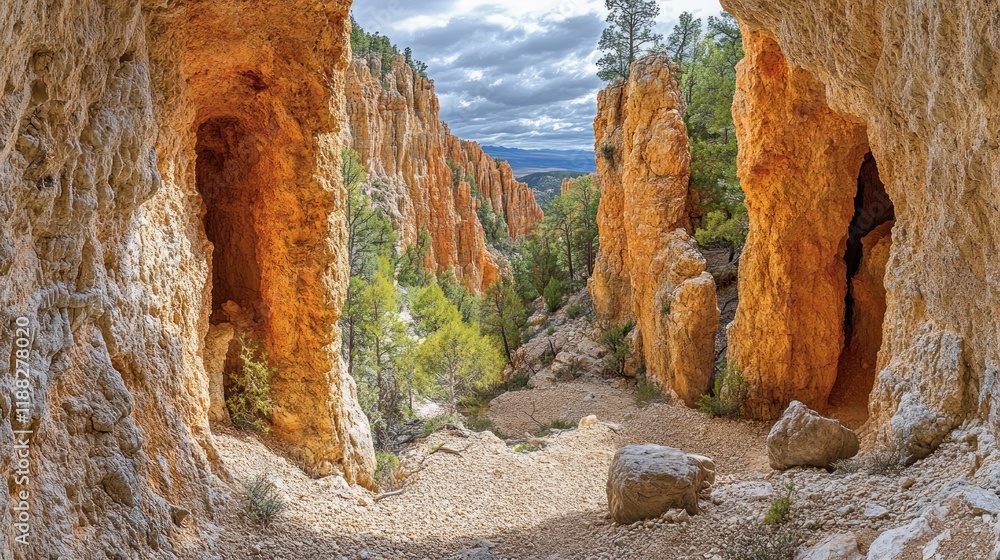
557, 424
752, 541
517, 382
647, 392
576, 311
721, 226
264, 503
525, 448
616, 340
250, 400
780, 507
608, 149
478, 422
432, 425
386, 470
554, 293
729, 394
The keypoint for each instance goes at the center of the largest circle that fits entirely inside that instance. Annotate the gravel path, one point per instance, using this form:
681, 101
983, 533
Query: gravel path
550, 504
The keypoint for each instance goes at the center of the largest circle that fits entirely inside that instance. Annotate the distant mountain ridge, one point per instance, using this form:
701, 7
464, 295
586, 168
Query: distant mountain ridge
547, 184
525, 162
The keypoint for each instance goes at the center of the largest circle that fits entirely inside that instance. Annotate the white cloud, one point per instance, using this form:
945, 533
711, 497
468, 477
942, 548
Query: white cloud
519, 73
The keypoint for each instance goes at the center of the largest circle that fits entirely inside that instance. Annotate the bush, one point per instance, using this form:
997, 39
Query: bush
387, 471
432, 425
729, 394
264, 503
576, 311
753, 541
619, 347
646, 391
517, 382
525, 448
479, 422
780, 507
557, 424
608, 149
554, 293
250, 400
724, 227
883, 460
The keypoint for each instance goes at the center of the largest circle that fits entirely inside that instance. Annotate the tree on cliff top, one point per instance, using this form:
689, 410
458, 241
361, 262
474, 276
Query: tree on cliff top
622, 42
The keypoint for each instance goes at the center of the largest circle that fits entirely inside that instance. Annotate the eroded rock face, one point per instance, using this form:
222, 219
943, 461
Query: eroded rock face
396, 130
104, 253
649, 269
932, 129
788, 333
644, 481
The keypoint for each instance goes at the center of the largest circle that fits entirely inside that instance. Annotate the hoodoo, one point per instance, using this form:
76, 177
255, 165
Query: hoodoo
648, 268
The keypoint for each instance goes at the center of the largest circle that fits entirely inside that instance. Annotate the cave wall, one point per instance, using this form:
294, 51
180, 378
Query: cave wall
648, 268
920, 77
103, 252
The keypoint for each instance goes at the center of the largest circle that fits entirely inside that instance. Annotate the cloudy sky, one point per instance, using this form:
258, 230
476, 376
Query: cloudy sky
516, 73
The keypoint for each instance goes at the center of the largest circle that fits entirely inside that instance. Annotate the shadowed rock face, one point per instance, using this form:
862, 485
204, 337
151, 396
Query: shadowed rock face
393, 123
930, 120
122, 127
648, 269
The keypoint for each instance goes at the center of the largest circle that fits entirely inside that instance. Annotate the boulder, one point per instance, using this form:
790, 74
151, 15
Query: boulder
891, 544
804, 438
645, 481
834, 547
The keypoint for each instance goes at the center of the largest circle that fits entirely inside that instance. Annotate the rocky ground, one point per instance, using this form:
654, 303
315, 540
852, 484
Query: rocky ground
472, 495
550, 504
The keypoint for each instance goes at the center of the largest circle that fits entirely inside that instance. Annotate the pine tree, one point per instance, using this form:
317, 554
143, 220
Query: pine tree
457, 361
624, 40
504, 315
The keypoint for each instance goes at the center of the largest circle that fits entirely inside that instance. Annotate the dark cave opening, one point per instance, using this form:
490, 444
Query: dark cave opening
226, 181
864, 303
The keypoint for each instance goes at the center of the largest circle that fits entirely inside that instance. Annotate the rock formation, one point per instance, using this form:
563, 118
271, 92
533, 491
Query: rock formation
392, 122
648, 269
804, 438
157, 160
645, 481
789, 328
914, 83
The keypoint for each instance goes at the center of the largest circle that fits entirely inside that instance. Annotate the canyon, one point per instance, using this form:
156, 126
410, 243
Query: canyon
170, 177
393, 123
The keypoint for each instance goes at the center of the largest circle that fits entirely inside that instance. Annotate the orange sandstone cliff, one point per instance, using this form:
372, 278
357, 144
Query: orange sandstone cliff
393, 123
822, 85
648, 268
158, 160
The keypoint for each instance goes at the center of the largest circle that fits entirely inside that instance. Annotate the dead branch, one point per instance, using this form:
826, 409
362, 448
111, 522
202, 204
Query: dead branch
532, 416
444, 449
385, 495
